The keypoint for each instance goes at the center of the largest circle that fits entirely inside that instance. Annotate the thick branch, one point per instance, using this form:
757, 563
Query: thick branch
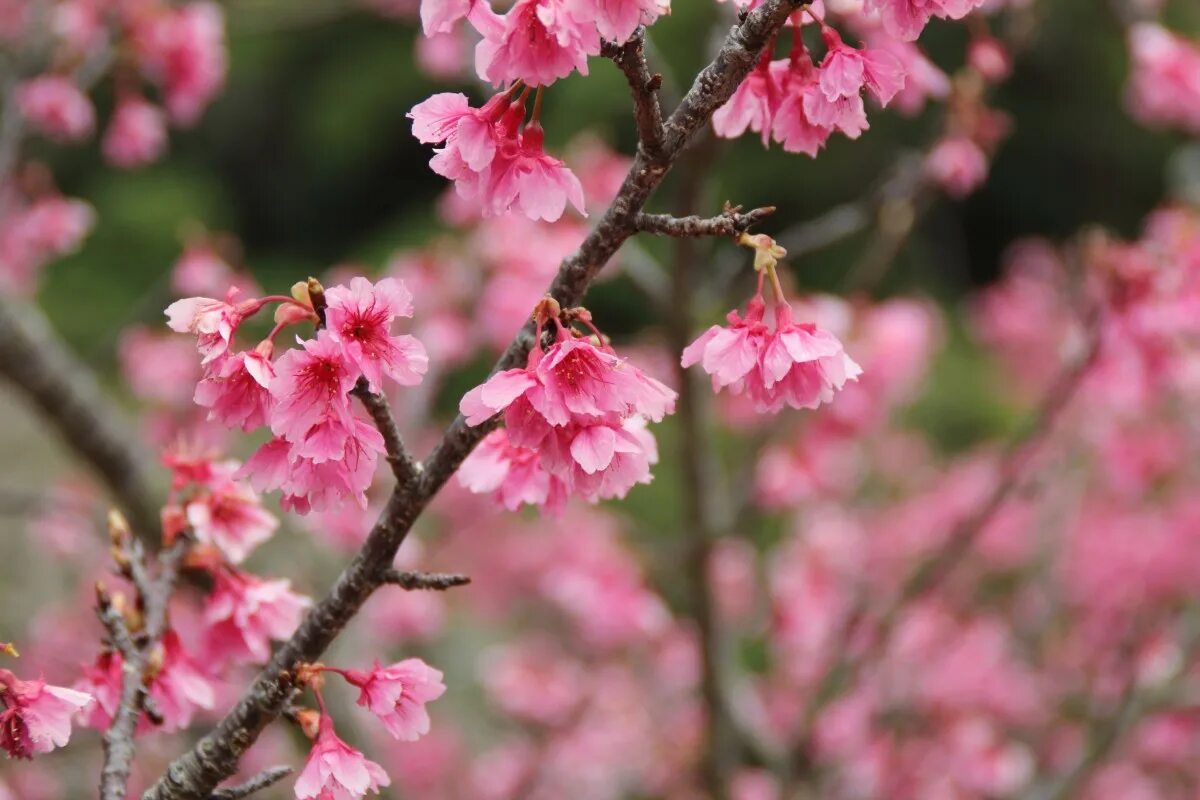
643, 86
432, 581
65, 394
261, 781
194, 774
730, 222
403, 466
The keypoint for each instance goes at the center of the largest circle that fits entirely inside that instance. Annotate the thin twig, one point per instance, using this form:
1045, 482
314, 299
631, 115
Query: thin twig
730, 222
261, 781
432, 581
194, 774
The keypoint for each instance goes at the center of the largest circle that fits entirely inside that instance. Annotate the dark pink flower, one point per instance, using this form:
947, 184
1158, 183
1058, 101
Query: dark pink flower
235, 390
616, 20
536, 41
231, 517
137, 133
731, 353
245, 613
360, 319
182, 686
312, 404
846, 70
802, 365
336, 771
57, 108
525, 177
442, 16
36, 717
513, 475
397, 694
958, 165
755, 102
214, 322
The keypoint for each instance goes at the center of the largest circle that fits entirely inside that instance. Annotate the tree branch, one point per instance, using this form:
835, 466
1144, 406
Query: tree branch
261, 781
434, 581
136, 649
731, 222
64, 392
403, 466
193, 775
643, 86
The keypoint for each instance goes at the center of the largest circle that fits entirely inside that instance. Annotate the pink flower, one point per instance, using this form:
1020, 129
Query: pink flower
797, 365
905, 19
311, 390
731, 354
336, 771
181, 686
36, 716
537, 41
214, 322
802, 365
470, 132
231, 517
755, 102
360, 319
136, 135
602, 460
57, 108
183, 50
1163, 88
958, 165
525, 177
235, 390
846, 114
845, 70
158, 366
244, 613
616, 20
397, 695
441, 16
512, 475
791, 126
49, 227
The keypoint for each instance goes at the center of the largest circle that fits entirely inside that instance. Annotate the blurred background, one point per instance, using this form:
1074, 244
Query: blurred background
306, 161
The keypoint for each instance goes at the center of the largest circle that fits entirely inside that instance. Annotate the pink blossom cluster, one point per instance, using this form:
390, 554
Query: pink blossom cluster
776, 364
179, 50
574, 422
34, 232
322, 452
1164, 90
540, 41
800, 105
492, 160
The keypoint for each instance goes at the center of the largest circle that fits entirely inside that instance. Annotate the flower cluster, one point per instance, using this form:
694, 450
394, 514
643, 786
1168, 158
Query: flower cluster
492, 160
783, 363
397, 694
322, 452
540, 41
577, 406
800, 105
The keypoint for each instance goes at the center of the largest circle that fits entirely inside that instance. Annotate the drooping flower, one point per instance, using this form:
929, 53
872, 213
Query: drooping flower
336, 771
905, 19
846, 70
802, 365
231, 517
731, 354
513, 475
360, 319
36, 716
525, 177
441, 16
616, 20
536, 41
235, 392
136, 134
57, 108
245, 613
755, 102
397, 694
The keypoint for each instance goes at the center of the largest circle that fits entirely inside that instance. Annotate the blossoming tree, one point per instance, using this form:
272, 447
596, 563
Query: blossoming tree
851, 616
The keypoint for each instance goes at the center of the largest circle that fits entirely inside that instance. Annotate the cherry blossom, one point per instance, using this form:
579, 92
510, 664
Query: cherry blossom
397, 694
335, 770
136, 135
360, 317
231, 517
36, 716
57, 108
244, 613
535, 41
